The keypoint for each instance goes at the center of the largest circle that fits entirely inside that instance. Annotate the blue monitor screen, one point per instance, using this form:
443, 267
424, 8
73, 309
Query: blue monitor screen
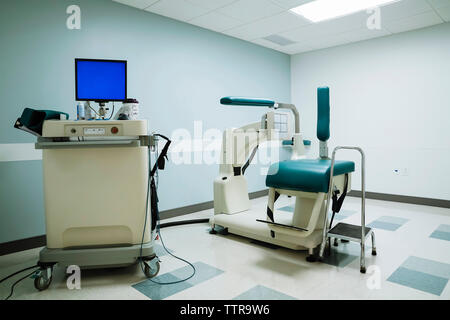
100, 80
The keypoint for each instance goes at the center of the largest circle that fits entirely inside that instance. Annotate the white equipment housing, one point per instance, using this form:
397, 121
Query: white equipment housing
95, 188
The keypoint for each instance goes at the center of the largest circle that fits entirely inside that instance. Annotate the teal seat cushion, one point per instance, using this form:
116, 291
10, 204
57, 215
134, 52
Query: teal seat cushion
308, 175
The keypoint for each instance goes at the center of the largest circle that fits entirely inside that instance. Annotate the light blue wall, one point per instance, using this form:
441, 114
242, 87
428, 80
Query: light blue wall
177, 71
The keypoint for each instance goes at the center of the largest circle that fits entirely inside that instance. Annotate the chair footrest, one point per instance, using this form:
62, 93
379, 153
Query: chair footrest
282, 225
348, 232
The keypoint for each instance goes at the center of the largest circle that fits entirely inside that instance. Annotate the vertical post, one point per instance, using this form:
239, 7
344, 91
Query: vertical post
363, 211
325, 225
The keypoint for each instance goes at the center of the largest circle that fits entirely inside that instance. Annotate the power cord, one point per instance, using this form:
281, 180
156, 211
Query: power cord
112, 113
158, 226
23, 278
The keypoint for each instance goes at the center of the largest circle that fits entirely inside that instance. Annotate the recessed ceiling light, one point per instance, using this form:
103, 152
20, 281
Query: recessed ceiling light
320, 10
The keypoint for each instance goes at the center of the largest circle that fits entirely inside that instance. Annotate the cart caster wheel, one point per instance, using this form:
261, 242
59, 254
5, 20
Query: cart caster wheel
311, 258
374, 252
335, 243
212, 231
41, 284
151, 272
363, 270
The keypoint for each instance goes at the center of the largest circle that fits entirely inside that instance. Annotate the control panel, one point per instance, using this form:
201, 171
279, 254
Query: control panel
81, 130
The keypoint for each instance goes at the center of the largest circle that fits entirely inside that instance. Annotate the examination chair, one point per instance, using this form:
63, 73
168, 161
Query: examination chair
316, 183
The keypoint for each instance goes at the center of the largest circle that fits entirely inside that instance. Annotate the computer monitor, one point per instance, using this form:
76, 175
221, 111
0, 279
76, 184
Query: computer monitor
100, 80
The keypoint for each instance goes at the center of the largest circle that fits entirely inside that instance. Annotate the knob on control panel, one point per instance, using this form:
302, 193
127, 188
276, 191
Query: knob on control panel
73, 130
114, 130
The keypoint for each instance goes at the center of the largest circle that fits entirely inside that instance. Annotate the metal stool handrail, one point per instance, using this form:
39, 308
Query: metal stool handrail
363, 201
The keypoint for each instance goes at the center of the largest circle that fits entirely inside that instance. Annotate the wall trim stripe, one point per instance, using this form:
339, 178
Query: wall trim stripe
19, 152
403, 199
39, 241
22, 245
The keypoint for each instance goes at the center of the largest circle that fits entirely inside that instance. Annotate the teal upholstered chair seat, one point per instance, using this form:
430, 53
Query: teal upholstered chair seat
308, 175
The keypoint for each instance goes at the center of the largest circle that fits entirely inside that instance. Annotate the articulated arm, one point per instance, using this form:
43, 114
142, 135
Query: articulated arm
254, 102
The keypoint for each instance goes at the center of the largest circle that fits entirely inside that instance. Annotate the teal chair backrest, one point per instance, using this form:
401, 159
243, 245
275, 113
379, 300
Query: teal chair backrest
323, 113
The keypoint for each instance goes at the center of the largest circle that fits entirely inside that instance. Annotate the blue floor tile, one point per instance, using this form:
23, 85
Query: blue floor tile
384, 225
389, 223
442, 232
343, 254
432, 267
440, 235
419, 280
263, 293
393, 220
444, 228
343, 214
159, 291
203, 272
289, 208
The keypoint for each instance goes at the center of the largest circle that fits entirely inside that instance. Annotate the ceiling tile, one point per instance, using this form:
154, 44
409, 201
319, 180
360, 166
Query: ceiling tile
327, 28
289, 4
444, 13
297, 48
439, 3
140, 4
177, 9
415, 22
251, 10
267, 44
211, 4
215, 21
267, 26
327, 41
403, 9
364, 34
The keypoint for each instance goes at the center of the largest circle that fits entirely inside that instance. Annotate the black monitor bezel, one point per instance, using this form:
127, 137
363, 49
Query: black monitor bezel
99, 60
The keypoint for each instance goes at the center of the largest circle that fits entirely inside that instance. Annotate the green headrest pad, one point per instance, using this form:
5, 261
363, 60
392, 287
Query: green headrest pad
34, 119
240, 101
323, 113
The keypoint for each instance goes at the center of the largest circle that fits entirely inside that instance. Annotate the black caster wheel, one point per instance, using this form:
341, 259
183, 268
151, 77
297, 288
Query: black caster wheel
363, 270
212, 231
374, 252
311, 258
335, 243
41, 283
151, 268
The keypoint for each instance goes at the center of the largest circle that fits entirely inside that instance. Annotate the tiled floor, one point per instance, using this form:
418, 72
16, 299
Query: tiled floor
413, 262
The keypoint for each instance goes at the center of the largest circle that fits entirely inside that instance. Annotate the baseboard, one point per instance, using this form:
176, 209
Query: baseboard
167, 214
40, 241
21, 245
403, 199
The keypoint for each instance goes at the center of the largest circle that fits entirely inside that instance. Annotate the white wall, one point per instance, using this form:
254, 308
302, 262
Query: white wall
391, 96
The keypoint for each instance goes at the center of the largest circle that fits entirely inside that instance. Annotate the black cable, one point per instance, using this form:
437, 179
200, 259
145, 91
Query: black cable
17, 272
15, 283
182, 222
152, 172
112, 113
